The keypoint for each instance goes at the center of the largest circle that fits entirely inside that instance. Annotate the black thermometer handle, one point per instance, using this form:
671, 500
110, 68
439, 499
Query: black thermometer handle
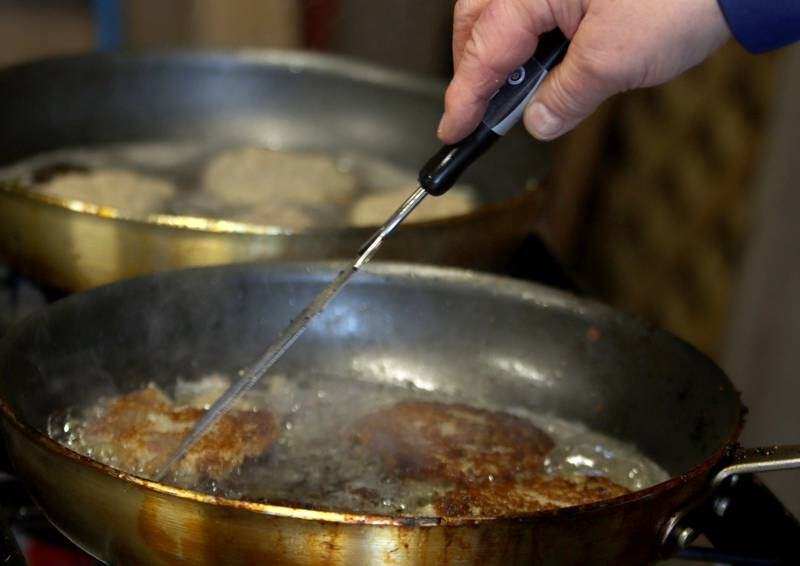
504, 110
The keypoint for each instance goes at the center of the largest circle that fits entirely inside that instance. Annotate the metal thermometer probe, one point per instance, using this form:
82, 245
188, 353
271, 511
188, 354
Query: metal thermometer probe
437, 176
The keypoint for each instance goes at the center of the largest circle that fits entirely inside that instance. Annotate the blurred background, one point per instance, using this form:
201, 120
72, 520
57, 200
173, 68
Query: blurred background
677, 203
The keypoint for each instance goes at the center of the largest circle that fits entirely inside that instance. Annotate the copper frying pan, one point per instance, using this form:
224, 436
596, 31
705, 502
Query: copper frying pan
299, 100
617, 375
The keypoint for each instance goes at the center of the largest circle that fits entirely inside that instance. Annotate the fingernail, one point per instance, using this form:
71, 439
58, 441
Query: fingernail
440, 127
543, 123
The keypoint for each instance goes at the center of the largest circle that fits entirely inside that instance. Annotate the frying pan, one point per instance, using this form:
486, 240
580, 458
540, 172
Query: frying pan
495, 340
221, 99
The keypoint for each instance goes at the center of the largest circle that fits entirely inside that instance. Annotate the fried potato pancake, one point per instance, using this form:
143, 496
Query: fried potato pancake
425, 440
540, 493
137, 432
116, 188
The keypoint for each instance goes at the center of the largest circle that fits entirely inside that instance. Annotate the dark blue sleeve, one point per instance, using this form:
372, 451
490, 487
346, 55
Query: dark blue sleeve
763, 25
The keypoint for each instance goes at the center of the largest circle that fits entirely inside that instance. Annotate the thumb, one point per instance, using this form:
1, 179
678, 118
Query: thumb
569, 94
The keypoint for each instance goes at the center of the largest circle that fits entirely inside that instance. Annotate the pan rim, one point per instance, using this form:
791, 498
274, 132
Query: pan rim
500, 285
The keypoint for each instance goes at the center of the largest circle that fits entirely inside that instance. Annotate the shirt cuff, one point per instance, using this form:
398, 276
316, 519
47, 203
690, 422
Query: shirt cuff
763, 25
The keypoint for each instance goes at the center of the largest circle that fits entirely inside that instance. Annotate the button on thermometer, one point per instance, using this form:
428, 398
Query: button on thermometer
517, 77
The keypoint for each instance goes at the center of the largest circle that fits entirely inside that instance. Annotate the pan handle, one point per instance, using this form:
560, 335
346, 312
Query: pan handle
738, 514
755, 460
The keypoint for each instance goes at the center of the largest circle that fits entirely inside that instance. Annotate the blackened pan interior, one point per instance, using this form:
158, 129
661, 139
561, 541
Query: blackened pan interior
494, 340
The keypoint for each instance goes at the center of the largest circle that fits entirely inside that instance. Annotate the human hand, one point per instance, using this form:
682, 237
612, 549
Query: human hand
617, 45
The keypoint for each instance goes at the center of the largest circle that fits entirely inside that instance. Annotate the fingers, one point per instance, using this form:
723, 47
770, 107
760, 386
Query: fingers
465, 14
503, 37
616, 45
